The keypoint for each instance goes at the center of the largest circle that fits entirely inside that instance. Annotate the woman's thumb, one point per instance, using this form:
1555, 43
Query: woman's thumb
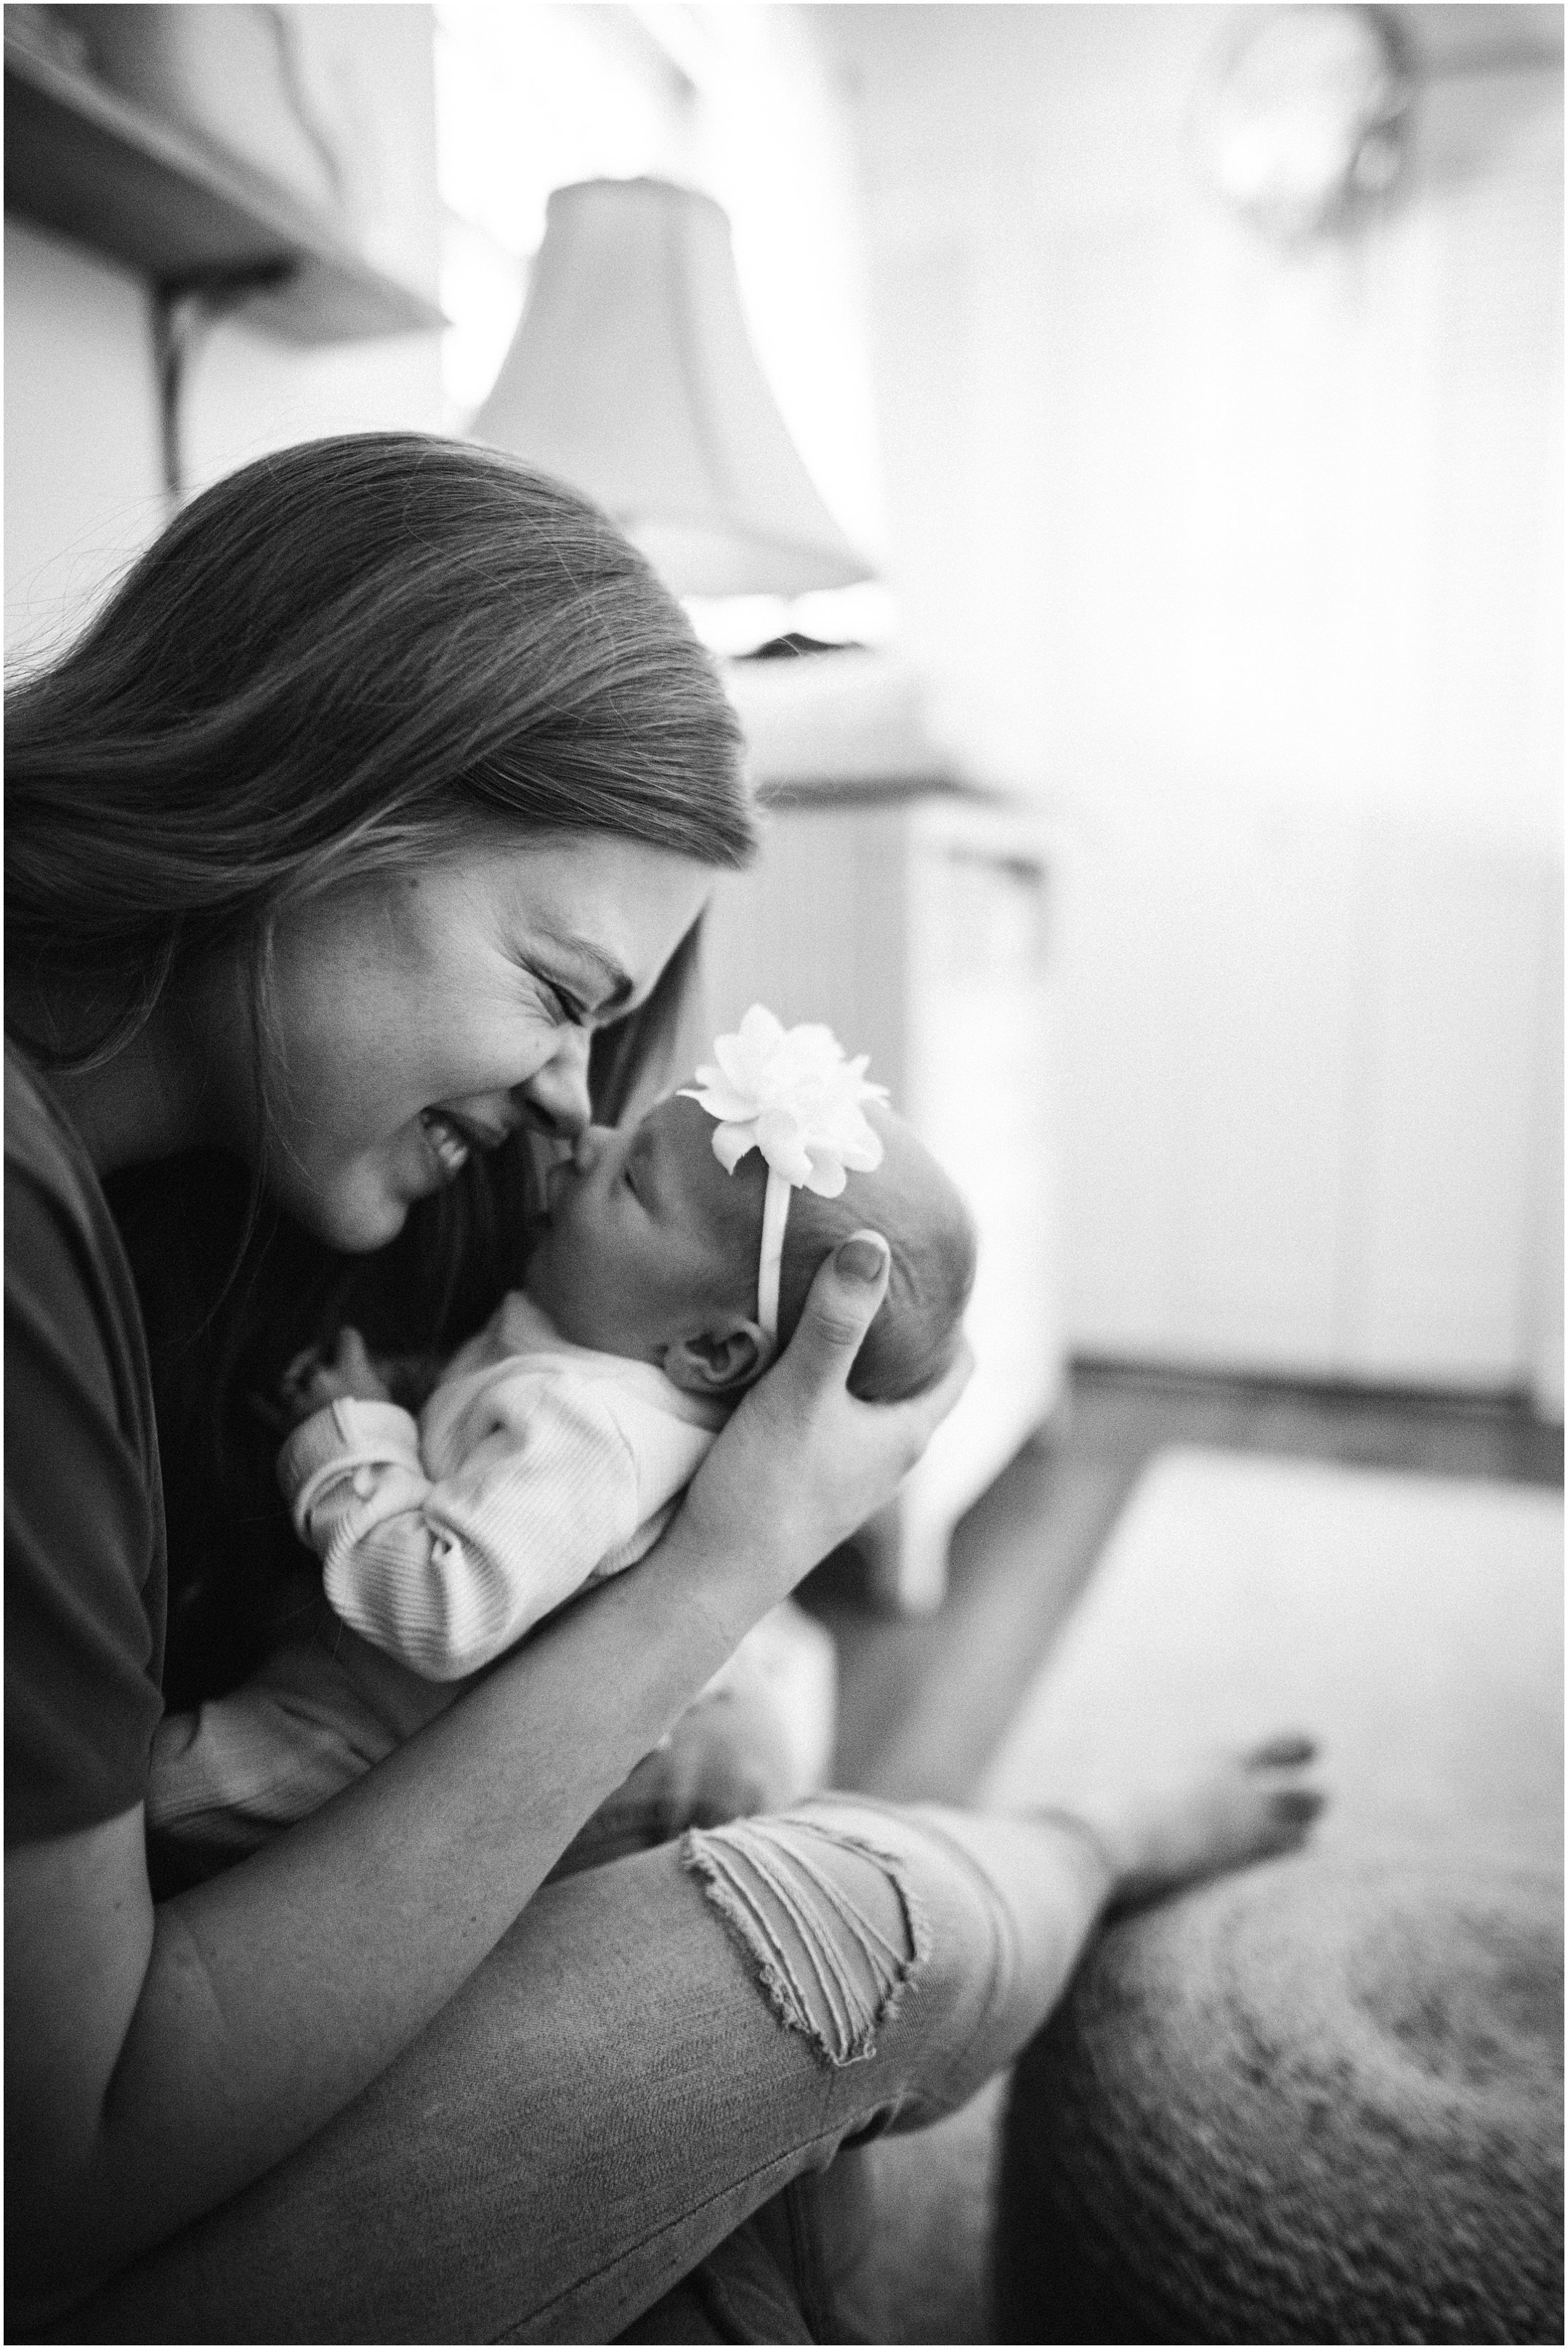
840, 1308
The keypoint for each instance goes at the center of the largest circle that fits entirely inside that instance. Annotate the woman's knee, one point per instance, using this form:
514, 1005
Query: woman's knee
867, 1930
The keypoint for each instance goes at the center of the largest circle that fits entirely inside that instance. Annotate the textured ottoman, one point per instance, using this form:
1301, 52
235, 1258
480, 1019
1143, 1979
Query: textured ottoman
1321, 2104
1320, 2100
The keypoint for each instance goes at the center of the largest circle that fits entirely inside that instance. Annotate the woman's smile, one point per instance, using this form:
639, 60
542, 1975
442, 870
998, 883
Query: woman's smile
449, 1146
453, 1137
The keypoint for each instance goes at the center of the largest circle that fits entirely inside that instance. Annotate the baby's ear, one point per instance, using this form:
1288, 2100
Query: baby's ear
719, 1361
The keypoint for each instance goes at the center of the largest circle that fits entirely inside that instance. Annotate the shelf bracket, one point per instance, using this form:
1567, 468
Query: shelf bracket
184, 312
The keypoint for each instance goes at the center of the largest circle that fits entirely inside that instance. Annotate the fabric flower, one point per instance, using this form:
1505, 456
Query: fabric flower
790, 1094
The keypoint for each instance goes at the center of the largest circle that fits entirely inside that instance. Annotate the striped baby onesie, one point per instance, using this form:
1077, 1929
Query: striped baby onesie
536, 1466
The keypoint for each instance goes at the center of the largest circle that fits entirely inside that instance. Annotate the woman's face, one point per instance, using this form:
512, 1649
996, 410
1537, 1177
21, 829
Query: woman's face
429, 1015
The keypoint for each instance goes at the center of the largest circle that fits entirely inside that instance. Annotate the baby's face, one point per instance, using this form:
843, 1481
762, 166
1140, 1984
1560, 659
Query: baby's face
648, 1236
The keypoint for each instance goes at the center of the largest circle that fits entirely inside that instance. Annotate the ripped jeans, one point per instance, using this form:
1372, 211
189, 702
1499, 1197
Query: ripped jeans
659, 2047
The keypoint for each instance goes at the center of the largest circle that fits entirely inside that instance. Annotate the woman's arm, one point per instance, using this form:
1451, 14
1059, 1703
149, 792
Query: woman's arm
161, 2057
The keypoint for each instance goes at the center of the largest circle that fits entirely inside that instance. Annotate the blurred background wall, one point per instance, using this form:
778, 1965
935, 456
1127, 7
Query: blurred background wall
1247, 564
1239, 566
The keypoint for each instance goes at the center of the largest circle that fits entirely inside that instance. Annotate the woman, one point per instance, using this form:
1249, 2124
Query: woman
388, 779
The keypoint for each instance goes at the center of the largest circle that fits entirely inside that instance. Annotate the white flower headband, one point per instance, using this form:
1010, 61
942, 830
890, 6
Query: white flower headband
790, 1094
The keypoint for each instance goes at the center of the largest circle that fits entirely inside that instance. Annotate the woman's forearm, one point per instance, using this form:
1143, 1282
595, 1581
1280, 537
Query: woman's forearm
273, 1994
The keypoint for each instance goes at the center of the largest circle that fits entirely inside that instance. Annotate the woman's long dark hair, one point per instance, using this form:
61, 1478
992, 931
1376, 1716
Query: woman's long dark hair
342, 660
332, 665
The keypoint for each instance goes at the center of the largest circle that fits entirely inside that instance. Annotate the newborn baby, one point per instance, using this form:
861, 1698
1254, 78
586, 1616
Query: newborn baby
554, 1447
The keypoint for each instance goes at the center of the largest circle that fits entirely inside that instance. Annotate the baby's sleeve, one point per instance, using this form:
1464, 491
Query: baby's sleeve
446, 1573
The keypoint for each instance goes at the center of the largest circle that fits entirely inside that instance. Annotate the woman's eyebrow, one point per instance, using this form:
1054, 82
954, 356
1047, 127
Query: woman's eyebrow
611, 983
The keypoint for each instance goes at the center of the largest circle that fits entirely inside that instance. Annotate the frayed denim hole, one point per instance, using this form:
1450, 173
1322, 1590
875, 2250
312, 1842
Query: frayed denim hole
794, 1894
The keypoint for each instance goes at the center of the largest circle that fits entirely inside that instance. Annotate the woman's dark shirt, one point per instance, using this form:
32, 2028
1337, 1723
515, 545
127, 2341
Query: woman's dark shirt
86, 1571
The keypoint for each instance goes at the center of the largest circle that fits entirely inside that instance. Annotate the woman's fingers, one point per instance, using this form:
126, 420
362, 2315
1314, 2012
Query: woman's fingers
842, 1303
929, 1410
935, 1404
802, 1462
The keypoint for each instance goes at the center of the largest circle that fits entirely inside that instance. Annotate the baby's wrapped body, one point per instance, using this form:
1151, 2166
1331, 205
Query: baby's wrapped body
535, 1468
550, 1454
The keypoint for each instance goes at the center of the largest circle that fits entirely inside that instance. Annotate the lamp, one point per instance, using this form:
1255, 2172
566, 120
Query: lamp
632, 376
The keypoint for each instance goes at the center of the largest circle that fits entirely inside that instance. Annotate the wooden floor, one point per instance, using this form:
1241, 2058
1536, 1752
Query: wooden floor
923, 1704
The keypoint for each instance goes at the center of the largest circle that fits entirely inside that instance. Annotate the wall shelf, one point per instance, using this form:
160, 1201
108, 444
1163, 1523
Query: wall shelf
91, 165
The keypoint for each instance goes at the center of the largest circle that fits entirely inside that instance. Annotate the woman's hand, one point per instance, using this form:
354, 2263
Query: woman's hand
803, 1462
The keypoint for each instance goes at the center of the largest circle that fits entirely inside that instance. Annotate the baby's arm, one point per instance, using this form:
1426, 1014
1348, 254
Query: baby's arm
448, 1573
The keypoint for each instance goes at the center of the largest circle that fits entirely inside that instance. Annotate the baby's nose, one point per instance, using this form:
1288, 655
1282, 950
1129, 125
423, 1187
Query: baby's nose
589, 1145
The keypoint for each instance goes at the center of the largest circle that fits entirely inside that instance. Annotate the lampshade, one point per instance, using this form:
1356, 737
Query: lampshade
633, 377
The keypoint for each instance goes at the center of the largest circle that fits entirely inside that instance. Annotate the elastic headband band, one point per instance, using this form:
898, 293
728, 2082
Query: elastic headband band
771, 1263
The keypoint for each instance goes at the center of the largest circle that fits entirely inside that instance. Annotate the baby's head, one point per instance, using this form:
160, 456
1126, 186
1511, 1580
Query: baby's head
652, 1249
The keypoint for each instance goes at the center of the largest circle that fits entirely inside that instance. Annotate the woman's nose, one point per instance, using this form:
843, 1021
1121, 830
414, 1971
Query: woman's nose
557, 1097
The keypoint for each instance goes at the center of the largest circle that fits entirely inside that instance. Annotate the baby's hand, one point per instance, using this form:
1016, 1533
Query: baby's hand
311, 1381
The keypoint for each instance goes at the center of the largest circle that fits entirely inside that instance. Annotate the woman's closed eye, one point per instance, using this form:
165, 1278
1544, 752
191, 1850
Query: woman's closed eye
565, 1008
568, 1010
